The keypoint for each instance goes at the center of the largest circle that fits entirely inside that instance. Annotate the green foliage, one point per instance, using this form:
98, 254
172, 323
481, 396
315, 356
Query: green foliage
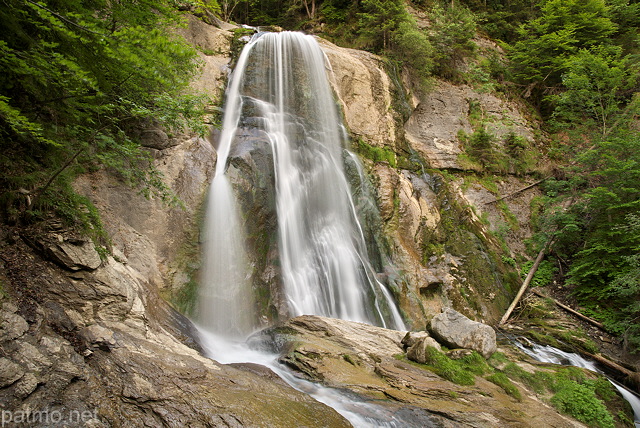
413, 48
450, 33
596, 83
503, 382
579, 401
448, 368
546, 44
547, 270
78, 81
376, 154
600, 233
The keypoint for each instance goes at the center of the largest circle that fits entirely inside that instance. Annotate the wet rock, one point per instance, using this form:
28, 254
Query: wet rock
364, 89
457, 331
344, 354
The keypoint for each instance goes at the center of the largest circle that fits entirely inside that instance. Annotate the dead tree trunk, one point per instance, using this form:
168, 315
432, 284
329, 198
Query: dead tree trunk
524, 286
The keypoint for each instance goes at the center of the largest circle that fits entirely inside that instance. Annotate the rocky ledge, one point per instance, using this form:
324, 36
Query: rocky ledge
372, 363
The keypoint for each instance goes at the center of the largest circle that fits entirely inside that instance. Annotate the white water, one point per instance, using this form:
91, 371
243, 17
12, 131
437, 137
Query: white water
280, 80
549, 354
359, 413
280, 77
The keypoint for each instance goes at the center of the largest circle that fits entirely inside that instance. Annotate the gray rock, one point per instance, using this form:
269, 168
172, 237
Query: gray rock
457, 331
9, 372
156, 138
413, 337
97, 336
418, 352
74, 256
26, 386
457, 354
12, 325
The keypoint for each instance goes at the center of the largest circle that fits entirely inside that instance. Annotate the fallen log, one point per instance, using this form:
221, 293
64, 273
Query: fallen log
571, 311
518, 191
524, 286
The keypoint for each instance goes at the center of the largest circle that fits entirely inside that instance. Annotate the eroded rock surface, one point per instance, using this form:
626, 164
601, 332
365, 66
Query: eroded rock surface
104, 343
369, 361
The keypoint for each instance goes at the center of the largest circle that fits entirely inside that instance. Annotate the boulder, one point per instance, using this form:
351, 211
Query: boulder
413, 337
418, 352
457, 331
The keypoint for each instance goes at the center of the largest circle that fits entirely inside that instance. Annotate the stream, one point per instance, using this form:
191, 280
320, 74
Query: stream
549, 354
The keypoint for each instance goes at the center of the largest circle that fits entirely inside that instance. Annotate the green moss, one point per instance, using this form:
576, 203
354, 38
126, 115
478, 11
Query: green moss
376, 154
503, 382
350, 359
538, 381
580, 402
448, 368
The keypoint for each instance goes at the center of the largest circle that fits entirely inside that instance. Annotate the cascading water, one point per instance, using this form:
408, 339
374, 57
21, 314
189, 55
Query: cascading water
281, 78
280, 82
549, 354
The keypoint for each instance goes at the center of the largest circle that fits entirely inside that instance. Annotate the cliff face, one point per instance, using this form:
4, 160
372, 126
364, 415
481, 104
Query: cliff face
86, 333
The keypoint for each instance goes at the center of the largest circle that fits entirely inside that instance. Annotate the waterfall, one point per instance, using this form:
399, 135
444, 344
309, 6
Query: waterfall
280, 81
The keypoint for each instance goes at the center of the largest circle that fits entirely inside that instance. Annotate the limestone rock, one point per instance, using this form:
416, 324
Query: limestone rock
457, 331
364, 89
316, 348
96, 336
9, 372
74, 256
418, 352
156, 138
26, 385
413, 337
12, 325
432, 130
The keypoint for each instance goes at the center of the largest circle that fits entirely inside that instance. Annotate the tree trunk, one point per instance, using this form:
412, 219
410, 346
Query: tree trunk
524, 286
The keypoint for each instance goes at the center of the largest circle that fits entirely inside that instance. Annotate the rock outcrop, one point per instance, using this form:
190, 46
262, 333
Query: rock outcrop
432, 130
369, 361
457, 331
103, 344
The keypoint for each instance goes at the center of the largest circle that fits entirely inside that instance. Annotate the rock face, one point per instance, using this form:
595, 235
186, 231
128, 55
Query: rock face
432, 130
104, 344
369, 362
458, 331
365, 94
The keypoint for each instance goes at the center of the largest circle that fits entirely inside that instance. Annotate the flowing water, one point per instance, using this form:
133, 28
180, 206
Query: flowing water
549, 354
280, 80
279, 85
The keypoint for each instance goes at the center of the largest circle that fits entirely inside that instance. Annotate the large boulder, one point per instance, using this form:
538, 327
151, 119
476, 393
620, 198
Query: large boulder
457, 331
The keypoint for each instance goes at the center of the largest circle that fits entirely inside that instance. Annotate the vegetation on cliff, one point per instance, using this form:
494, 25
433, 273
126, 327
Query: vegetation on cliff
576, 64
79, 82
